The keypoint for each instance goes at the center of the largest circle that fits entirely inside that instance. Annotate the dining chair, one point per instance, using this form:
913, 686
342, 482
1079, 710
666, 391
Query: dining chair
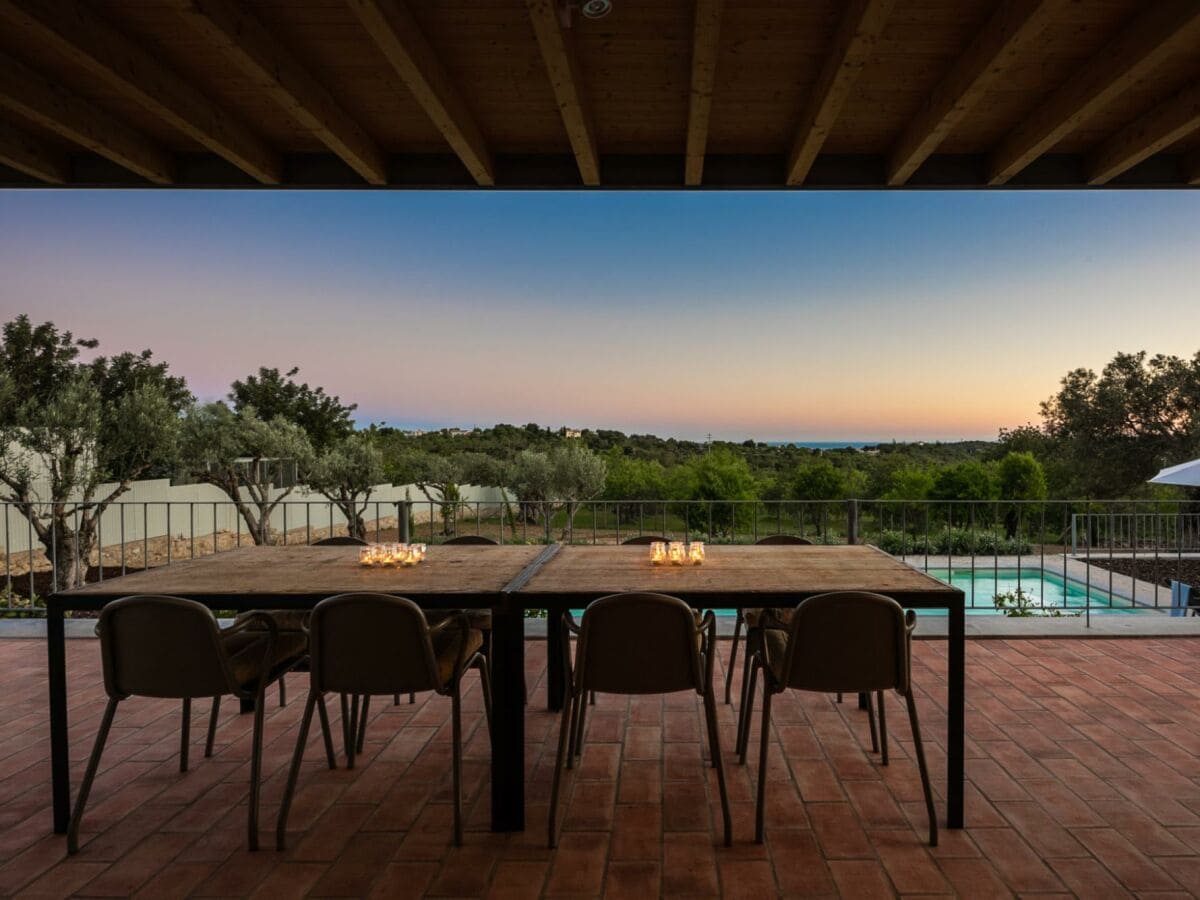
636, 643
754, 616
848, 641
365, 644
296, 620
169, 647
479, 618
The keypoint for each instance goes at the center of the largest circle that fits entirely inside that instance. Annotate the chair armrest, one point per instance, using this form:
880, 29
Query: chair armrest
460, 622
256, 617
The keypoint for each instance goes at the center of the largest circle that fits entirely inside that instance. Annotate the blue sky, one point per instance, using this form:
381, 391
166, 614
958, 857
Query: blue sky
813, 315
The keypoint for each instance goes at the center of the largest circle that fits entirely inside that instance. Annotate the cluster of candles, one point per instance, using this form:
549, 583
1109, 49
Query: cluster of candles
677, 553
391, 554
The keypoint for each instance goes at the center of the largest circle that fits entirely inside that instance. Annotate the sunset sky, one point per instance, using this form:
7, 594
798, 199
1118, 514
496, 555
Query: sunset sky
777, 316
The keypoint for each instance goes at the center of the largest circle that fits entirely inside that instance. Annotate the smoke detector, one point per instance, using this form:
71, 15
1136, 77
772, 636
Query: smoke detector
595, 9
590, 9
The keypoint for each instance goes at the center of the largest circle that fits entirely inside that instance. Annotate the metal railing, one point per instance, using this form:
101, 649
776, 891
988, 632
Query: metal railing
1066, 557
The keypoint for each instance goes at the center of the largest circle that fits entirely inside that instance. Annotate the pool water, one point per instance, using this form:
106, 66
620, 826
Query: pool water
1047, 589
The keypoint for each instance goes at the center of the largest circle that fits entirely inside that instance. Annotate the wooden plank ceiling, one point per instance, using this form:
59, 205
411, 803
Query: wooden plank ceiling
657, 94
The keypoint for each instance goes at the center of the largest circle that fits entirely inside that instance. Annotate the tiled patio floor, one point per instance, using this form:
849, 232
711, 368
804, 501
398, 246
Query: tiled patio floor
1083, 761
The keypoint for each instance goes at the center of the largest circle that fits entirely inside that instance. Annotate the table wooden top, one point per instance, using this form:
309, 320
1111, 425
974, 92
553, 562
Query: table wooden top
738, 575
304, 572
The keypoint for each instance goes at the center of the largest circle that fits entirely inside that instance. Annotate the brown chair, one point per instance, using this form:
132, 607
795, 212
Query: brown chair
477, 540
642, 540
340, 540
636, 644
843, 641
369, 644
155, 646
296, 620
754, 616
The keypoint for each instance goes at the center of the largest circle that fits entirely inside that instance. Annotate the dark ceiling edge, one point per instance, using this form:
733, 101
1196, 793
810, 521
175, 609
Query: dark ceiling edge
322, 171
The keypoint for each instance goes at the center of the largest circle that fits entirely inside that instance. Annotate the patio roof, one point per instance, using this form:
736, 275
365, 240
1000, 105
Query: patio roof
659, 94
1082, 779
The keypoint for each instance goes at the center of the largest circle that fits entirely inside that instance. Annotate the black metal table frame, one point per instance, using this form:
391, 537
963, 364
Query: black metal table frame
508, 662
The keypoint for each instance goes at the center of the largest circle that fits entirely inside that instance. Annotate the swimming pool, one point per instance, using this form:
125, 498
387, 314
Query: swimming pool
1046, 588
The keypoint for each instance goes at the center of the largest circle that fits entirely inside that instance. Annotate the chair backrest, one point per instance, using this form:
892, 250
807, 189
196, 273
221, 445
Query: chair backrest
643, 539
849, 641
477, 539
158, 646
340, 540
366, 643
638, 643
790, 540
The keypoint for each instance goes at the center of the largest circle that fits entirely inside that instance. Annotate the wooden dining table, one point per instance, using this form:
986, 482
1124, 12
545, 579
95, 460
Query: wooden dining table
510, 580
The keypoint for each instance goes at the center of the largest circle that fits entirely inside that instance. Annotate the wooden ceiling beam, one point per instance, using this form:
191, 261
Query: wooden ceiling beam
1190, 166
706, 35
851, 47
1156, 130
567, 82
396, 33
52, 106
1166, 28
22, 151
230, 26
74, 30
1009, 31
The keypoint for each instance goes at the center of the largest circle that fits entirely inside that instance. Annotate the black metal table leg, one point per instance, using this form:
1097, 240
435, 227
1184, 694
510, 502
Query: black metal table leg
60, 767
956, 713
508, 717
556, 677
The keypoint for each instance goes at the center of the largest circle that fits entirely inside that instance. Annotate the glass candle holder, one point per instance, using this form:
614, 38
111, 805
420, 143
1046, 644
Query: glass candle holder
366, 556
658, 553
676, 553
696, 553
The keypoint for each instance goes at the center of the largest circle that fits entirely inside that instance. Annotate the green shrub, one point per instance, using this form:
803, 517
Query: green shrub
956, 541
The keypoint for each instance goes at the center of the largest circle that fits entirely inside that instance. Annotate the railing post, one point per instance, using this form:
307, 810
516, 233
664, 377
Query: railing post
851, 521
401, 520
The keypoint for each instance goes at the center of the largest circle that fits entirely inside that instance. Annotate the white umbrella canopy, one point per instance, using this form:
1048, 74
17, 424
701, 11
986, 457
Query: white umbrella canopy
1186, 474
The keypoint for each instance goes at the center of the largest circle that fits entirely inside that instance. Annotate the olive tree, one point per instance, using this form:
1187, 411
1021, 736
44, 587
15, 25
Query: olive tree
74, 436
577, 475
245, 455
347, 473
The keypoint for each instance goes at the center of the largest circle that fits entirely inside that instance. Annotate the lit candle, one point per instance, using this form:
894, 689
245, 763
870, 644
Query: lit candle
366, 556
676, 553
696, 552
658, 553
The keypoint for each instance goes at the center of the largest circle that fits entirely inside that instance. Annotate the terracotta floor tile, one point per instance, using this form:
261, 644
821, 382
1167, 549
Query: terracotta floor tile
1080, 760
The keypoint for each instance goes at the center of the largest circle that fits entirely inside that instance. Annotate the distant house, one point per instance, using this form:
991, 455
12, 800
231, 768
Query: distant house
572, 433
457, 432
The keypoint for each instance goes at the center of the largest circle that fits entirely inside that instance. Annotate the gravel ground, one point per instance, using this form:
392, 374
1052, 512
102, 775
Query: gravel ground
1162, 571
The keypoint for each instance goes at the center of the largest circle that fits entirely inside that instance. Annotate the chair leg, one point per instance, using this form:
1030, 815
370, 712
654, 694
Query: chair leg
592, 697
185, 734
352, 732
566, 729
485, 684
85, 787
412, 698
580, 725
345, 701
396, 699
748, 707
760, 812
839, 696
871, 722
737, 635
330, 756
714, 749
362, 723
285, 805
212, 726
456, 761
883, 754
260, 703
282, 691
924, 770
751, 641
